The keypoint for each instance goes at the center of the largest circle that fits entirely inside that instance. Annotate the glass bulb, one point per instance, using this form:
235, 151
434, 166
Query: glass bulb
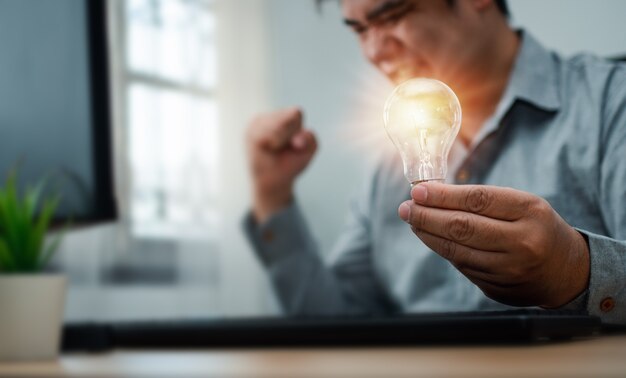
422, 119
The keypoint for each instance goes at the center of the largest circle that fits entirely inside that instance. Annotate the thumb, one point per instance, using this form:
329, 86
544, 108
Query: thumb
304, 140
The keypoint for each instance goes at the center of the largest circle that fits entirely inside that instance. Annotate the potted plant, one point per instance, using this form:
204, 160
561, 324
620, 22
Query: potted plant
31, 302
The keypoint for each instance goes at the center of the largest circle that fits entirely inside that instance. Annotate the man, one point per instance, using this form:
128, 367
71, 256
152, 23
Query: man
553, 129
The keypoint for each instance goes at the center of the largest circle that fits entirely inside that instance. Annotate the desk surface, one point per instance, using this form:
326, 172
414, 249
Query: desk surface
600, 357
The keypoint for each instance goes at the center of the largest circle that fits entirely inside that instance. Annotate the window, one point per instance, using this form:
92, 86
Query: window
164, 258
169, 81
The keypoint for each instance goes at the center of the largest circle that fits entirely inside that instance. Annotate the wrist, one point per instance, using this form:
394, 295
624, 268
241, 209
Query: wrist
268, 203
576, 279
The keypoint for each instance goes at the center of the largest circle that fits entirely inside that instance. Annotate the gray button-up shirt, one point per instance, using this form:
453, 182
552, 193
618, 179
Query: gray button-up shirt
559, 132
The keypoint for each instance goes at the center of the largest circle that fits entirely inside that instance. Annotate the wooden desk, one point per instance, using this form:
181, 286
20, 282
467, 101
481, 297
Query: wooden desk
601, 357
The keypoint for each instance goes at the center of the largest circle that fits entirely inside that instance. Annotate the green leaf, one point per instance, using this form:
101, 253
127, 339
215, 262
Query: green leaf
22, 229
32, 198
12, 222
39, 231
50, 250
18, 234
6, 259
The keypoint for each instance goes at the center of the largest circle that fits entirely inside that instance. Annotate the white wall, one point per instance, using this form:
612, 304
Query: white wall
570, 26
243, 92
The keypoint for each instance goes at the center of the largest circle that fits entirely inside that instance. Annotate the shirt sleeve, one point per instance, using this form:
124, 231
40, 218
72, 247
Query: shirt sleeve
304, 282
607, 285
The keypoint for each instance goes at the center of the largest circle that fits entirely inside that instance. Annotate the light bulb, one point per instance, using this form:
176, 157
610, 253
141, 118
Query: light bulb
422, 118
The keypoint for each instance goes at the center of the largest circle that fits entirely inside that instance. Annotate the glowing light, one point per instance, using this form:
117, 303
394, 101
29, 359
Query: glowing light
422, 118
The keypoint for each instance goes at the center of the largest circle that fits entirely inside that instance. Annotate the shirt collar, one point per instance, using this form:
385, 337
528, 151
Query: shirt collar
534, 80
535, 75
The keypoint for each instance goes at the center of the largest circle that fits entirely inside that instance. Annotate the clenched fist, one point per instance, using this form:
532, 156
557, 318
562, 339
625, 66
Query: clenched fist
279, 149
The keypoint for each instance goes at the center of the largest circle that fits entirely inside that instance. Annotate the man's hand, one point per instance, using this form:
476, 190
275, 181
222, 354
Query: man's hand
279, 149
510, 243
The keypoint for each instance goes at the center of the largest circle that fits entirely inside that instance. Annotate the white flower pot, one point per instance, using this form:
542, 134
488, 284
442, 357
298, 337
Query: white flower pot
31, 315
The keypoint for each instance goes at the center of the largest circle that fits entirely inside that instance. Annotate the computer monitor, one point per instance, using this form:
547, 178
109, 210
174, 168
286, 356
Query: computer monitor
54, 103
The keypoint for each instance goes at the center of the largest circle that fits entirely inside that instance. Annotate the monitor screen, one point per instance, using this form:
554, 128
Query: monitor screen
54, 113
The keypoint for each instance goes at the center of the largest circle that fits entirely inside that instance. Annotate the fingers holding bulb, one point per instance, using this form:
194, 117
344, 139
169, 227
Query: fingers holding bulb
512, 244
461, 227
490, 201
467, 259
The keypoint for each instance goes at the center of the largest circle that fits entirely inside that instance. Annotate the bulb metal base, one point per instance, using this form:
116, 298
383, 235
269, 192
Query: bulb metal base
423, 181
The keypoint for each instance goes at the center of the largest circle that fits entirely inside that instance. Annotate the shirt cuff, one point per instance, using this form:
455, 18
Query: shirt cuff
606, 295
283, 234
579, 304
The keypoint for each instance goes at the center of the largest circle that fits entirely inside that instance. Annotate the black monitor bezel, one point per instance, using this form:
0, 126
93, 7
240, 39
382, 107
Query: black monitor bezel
105, 204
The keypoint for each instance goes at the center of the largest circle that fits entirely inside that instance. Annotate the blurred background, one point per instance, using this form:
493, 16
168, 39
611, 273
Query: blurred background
186, 76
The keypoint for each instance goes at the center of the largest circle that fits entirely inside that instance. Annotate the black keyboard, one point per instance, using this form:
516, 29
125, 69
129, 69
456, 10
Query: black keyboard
518, 326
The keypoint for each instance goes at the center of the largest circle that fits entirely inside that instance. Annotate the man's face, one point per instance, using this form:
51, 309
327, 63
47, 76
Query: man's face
411, 38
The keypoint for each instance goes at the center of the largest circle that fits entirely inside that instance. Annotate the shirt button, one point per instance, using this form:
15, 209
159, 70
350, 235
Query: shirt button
607, 304
462, 176
268, 236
